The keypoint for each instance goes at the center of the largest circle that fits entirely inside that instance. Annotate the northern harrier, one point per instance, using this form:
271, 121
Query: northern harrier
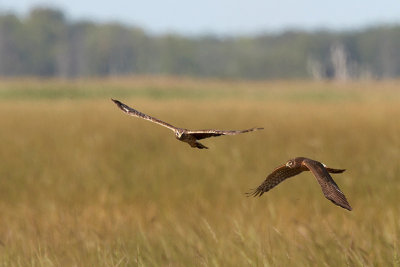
185, 135
297, 165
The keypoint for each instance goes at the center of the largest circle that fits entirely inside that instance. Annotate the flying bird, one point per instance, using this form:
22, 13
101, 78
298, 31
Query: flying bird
297, 165
189, 136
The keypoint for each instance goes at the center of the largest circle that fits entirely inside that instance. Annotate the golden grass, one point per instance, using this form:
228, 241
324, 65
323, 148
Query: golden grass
82, 184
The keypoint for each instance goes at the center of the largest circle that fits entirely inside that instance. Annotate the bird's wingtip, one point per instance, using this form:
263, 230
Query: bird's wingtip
257, 128
253, 192
348, 207
342, 203
117, 102
248, 194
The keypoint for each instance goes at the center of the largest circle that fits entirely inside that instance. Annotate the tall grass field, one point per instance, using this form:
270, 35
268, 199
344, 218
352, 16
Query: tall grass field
83, 184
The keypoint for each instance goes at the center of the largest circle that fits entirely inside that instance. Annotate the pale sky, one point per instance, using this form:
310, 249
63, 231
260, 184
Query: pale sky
226, 17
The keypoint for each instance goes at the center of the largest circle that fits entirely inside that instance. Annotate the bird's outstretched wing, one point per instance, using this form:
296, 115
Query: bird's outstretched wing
134, 112
278, 175
329, 187
201, 134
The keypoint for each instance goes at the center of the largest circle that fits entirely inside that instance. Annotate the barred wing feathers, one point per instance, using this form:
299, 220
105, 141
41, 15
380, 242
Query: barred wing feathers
136, 113
277, 176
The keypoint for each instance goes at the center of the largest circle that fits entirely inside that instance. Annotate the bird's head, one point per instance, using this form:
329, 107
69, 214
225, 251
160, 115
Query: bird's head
178, 134
293, 163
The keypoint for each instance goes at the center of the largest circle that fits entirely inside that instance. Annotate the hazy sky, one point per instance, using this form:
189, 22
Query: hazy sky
224, 16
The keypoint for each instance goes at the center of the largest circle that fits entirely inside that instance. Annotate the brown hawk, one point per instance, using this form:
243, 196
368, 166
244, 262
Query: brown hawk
297, 165
185, 135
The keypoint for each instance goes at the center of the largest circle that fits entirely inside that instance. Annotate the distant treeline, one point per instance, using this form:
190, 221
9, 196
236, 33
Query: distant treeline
45, 43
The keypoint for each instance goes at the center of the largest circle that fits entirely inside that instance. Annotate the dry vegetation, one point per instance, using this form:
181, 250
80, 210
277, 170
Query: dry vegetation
82, 184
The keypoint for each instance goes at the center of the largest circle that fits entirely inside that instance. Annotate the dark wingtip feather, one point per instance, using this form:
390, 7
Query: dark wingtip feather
118, 103
341, 201
121, 105
249, 193
257, 128
345, 206
254, 192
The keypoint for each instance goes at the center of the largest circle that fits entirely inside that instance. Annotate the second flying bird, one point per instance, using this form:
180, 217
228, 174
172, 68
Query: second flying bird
184, 135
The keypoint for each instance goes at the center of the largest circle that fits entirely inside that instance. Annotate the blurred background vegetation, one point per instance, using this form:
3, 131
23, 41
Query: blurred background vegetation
82, 184
46, 43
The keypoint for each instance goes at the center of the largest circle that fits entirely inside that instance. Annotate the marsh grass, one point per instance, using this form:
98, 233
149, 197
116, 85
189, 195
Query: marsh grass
82, 184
